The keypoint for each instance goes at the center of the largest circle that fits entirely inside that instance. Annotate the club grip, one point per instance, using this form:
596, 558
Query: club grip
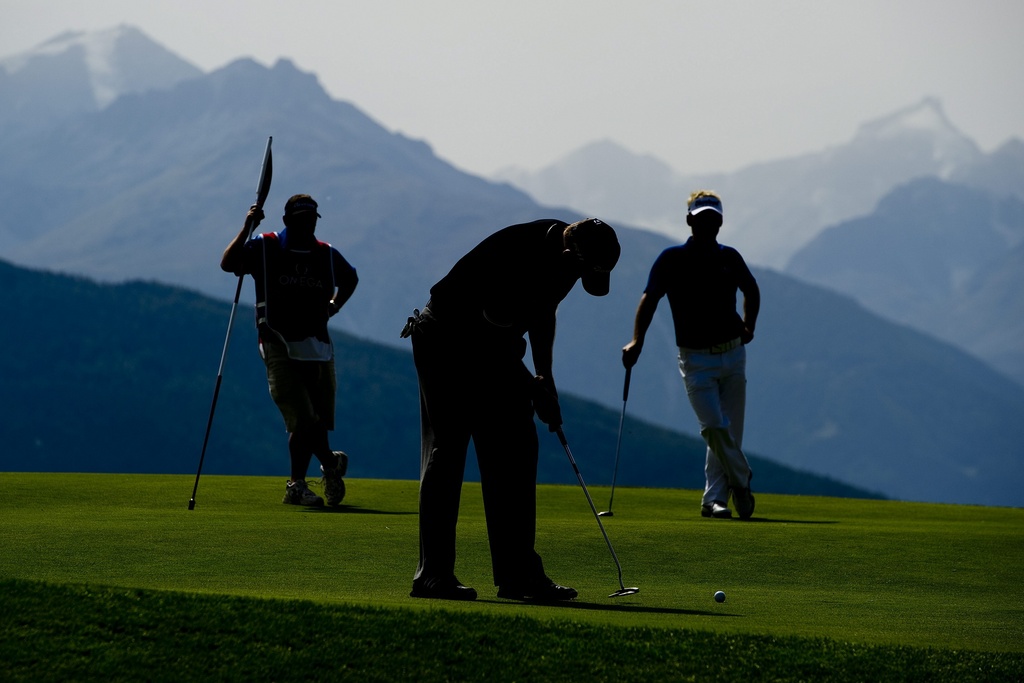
625, 384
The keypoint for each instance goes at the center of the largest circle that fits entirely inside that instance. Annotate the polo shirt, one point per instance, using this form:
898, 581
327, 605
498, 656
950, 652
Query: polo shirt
701, 281
511, 279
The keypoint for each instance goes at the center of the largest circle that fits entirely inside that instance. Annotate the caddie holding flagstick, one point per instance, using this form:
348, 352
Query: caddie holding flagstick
300, 283
701, 278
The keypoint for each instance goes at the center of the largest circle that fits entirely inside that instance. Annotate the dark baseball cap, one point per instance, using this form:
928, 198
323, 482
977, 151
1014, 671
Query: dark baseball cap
300, 203
597, 246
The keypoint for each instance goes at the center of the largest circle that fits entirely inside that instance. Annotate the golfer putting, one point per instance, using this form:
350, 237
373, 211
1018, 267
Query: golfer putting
468, 347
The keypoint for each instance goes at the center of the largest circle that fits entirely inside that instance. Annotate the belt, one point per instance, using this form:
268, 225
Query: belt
717, 348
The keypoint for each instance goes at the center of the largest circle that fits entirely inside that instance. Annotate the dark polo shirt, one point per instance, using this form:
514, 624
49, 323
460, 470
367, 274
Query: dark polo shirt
503, 285
701, 282
294, 287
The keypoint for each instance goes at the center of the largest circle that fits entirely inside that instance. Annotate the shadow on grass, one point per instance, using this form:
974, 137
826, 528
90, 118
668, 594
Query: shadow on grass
766, 520
604, 607
352, 510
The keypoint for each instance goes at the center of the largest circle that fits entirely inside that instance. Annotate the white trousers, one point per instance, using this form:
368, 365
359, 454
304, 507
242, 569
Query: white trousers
716, 384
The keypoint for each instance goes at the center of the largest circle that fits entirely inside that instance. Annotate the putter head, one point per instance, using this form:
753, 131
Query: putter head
625, 591
606, 513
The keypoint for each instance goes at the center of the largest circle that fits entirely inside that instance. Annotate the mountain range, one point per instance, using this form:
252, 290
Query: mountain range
153, 184
110, 383
943, 257
774, 208
78, 73
835, 218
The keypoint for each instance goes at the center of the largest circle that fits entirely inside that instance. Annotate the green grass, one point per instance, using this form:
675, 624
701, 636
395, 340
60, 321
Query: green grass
111, 577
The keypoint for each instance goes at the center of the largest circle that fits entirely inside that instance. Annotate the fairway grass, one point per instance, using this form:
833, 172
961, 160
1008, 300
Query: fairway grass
938, 584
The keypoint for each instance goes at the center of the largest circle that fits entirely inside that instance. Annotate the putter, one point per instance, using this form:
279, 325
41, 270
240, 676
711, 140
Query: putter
262, 190
622, 588
618, 444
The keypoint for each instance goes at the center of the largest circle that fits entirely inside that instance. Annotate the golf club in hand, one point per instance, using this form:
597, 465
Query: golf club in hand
618, 444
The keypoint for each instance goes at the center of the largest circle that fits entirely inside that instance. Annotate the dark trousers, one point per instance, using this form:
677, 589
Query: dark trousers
473, 391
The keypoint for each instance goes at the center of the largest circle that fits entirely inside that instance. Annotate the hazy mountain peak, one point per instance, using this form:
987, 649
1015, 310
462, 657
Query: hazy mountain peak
607, 151
926, 120
927, 116
97, 67
595, 177
1014, 147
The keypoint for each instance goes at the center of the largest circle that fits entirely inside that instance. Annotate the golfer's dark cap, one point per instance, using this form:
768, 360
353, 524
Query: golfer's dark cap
597, 246
300, 203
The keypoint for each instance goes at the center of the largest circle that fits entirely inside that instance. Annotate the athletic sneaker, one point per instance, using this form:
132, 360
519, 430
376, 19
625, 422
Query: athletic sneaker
743, 499
334, 485
716, 509
297, 493
545, 590
342, 462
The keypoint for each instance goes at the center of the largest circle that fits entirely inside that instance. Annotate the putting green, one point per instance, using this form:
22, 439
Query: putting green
855, 571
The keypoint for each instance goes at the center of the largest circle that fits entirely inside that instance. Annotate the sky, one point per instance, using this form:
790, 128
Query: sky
706, 86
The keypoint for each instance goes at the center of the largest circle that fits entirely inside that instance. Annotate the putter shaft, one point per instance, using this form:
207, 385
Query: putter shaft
622, 588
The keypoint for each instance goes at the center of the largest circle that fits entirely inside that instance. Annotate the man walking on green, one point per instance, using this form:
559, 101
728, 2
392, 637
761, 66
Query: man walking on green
701, 278
300, 283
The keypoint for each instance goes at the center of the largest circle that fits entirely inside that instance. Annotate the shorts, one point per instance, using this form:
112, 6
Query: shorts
303, 390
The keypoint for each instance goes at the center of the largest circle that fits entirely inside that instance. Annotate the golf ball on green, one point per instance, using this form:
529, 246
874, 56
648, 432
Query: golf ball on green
720, 596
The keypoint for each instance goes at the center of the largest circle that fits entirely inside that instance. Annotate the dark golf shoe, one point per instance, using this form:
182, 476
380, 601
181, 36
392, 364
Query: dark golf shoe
298, 493
334, 485
743, 499
545, 590
442, 589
